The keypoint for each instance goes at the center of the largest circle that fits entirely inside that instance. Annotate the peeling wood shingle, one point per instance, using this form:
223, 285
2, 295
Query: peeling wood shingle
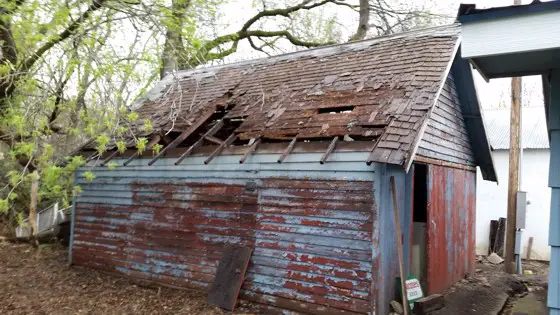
390, 82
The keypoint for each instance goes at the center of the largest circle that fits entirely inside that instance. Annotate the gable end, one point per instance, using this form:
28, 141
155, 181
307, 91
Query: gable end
446, 137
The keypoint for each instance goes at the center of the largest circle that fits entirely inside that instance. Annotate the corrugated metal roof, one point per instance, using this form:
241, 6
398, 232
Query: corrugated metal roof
534, 134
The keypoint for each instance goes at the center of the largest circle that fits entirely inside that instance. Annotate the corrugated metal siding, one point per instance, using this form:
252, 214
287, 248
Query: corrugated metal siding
313, 227
446, 137
553, 115
386, 285
534, 134
451, 224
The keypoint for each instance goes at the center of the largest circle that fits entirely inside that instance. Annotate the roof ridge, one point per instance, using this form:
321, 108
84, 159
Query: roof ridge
360, 44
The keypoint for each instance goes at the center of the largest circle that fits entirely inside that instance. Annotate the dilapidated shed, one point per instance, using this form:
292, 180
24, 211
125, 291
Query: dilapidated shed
292, 156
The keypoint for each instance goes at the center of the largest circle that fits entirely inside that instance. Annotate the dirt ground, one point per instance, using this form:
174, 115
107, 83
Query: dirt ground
491, 291
38, 281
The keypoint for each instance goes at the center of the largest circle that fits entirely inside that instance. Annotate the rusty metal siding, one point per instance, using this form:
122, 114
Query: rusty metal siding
313, 227
451, 217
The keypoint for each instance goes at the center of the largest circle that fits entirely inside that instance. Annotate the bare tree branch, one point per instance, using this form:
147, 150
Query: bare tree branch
70, 30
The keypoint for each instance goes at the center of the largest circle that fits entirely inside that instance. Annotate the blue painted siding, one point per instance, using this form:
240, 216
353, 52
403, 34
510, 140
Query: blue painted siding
314, 228
554, 183
388, 258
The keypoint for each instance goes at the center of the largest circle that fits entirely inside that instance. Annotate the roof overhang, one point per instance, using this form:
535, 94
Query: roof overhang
511, 41
473, 115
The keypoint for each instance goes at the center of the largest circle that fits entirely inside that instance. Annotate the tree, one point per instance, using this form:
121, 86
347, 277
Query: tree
71, 70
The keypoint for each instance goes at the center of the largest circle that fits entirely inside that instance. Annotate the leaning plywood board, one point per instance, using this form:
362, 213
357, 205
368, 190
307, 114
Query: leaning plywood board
229, 277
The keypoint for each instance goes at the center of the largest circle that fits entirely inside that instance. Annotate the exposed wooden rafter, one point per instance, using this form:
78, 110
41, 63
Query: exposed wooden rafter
251, 149
288, 150
216, 152
213, 139
210, 132
370, 157
330, 149
110, 157
185, 134
155, 140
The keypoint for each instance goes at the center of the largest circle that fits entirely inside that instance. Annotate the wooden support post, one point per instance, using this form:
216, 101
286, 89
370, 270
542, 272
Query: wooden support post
330, 149
195, 145
251, 149
216, 152
288, 150
185, 134
513, 183
155, 140
370, 157
399, 244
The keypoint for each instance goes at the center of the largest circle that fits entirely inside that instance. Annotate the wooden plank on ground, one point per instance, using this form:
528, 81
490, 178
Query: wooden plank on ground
500, 237
493, 234
229, 277
429, 304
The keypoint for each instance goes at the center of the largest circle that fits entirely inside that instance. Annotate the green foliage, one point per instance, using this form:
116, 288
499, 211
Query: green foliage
157, 148
141, 144
79, 70
148, 126
76, 190
89, 176
121, 146
19, 218
112, 166
102, 141
4, 206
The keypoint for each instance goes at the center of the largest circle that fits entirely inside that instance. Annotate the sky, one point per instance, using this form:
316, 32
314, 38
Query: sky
493, 94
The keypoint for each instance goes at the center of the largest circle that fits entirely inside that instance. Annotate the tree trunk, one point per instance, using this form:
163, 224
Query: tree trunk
363, 25
33, 206
173, 38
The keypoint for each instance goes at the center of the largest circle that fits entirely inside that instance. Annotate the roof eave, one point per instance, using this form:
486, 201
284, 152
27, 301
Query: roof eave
474, 121
469, 13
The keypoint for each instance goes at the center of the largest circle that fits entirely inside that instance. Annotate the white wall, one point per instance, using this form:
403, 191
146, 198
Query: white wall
531, 32
491, 201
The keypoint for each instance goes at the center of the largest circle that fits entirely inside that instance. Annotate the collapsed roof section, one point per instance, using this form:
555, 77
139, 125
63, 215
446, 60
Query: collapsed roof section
378, 90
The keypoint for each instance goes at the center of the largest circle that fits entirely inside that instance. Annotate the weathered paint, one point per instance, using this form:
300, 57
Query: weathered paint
388, 267
451, 217
553, 112
73, 214
314, 229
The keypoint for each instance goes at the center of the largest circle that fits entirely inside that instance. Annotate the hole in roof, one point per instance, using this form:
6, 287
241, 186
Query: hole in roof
336, 110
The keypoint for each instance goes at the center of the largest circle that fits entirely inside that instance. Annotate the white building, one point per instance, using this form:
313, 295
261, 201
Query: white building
491, 202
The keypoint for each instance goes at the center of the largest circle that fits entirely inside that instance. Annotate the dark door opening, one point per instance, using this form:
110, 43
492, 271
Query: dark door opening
420, 218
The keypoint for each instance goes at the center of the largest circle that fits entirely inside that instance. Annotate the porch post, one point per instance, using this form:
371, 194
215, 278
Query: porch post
554, 183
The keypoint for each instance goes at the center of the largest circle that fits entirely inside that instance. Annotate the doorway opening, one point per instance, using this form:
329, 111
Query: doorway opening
420, 218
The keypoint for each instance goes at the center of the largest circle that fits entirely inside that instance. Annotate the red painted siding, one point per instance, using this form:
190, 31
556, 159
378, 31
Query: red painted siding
451, 222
